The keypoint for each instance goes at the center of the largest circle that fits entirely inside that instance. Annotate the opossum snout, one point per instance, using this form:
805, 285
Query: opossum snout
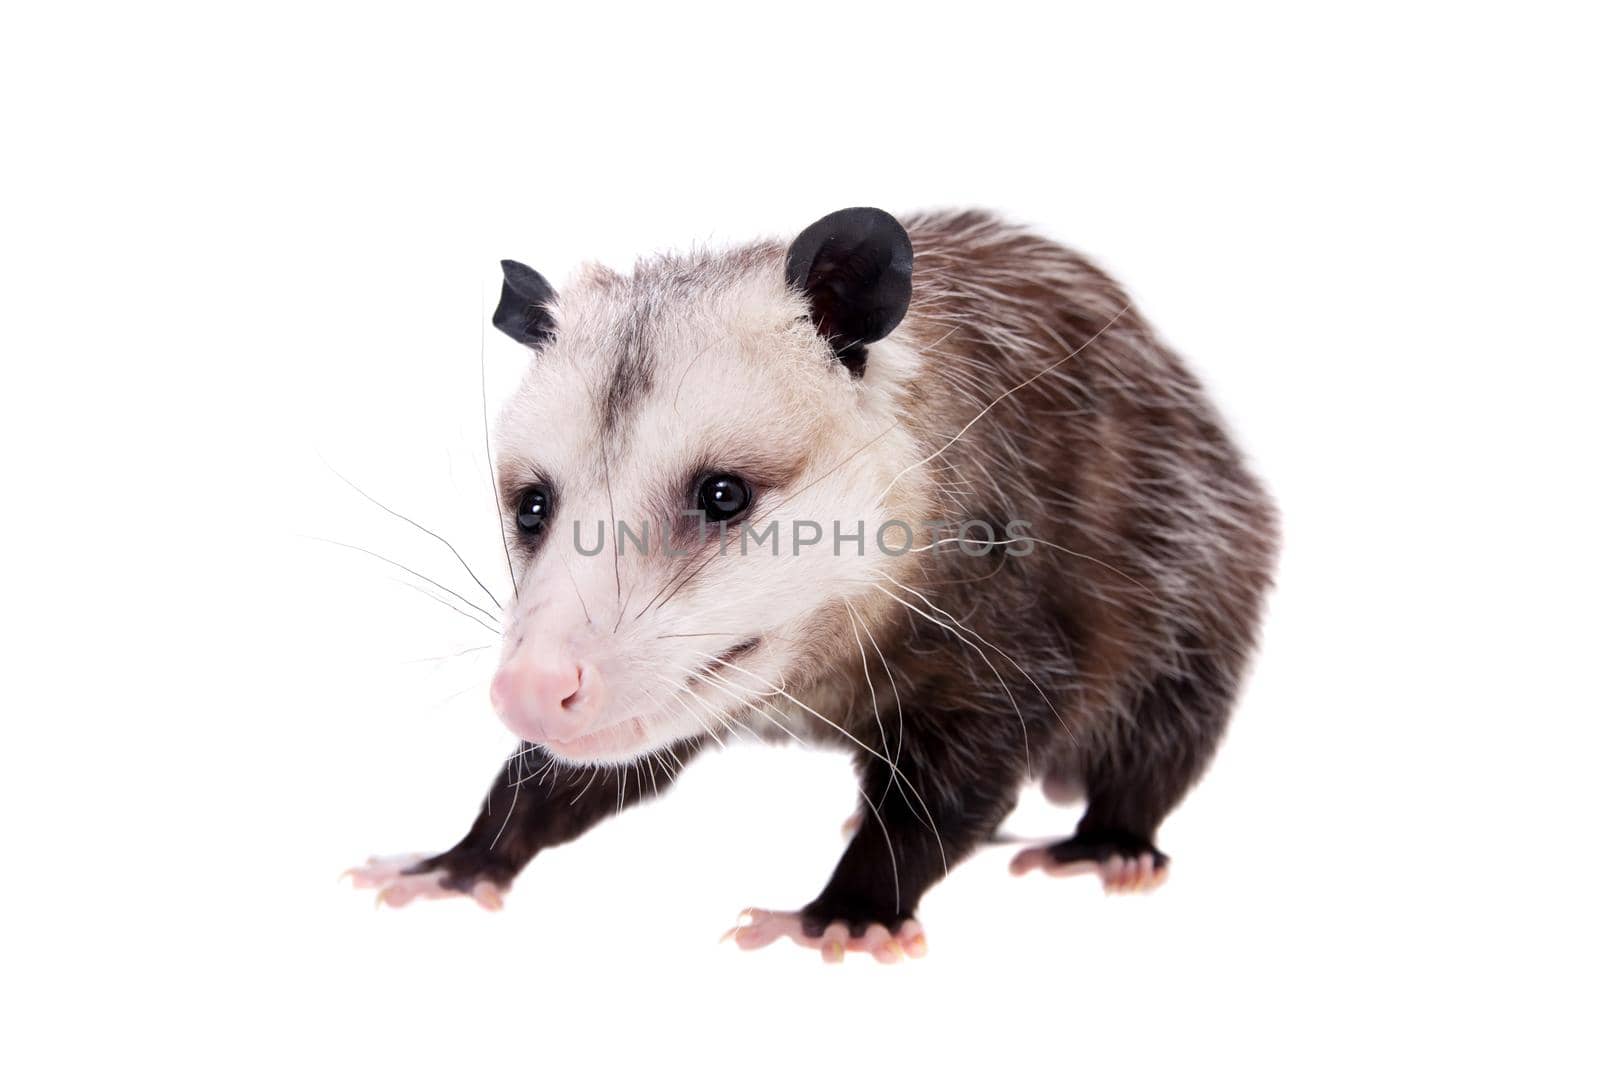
548, 695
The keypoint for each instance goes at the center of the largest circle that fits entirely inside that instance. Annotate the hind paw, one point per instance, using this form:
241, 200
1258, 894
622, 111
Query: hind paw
1124, 867
401, 879
758, 928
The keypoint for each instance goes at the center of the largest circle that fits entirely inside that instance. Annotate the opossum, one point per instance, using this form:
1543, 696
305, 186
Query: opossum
931, 491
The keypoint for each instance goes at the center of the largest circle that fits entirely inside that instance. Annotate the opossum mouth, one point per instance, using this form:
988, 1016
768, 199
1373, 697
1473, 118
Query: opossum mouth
631, 734
717, 664
613, 740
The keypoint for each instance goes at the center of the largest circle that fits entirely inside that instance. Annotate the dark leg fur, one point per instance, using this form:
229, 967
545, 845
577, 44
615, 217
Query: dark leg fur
1098, 846
551, 808
944, 801
1137, 775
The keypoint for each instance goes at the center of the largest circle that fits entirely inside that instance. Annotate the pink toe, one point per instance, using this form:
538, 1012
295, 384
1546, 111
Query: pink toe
1067, 870
912, 939
876, 942
888, 952
756, 935
834, 939
748, 937
1029, 859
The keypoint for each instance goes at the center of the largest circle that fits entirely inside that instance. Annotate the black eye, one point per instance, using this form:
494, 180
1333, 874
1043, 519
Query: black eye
533, 511
723, 497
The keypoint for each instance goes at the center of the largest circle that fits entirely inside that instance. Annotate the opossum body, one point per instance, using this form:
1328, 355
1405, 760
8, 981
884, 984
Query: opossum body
932, 492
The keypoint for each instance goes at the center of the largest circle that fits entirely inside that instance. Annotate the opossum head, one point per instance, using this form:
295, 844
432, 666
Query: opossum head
704, 475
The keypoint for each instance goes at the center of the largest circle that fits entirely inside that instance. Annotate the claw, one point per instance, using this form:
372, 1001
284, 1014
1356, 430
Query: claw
745, 919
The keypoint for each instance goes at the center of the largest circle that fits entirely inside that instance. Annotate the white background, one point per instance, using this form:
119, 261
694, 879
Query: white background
244, 250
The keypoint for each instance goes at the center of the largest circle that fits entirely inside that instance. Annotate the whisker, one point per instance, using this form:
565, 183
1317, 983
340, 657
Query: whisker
677, 698
592, 776
998, 651
488, 452
894, 867
1048, 544
516, 793
996, 401
872, 695
436, 536
679, 587
492, 624
578, 592
1027, 753
452, 655
780, 691
445, 603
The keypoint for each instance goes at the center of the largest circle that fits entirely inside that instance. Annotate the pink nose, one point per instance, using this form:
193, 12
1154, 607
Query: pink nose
547, 697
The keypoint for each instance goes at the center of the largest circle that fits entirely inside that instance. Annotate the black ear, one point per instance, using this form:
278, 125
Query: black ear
854, 266
525, 302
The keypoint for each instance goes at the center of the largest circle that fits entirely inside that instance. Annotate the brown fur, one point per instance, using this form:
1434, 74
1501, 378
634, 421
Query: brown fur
1111, 452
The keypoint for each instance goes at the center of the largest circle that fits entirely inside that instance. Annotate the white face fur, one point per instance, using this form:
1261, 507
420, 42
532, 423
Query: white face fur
706, 366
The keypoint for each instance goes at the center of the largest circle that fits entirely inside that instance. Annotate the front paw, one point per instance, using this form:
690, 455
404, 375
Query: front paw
886, 942
401, 879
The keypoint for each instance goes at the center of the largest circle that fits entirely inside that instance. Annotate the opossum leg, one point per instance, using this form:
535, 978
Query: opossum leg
1135, 774
524, 813
1130, 792
923, 814
1125, 862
